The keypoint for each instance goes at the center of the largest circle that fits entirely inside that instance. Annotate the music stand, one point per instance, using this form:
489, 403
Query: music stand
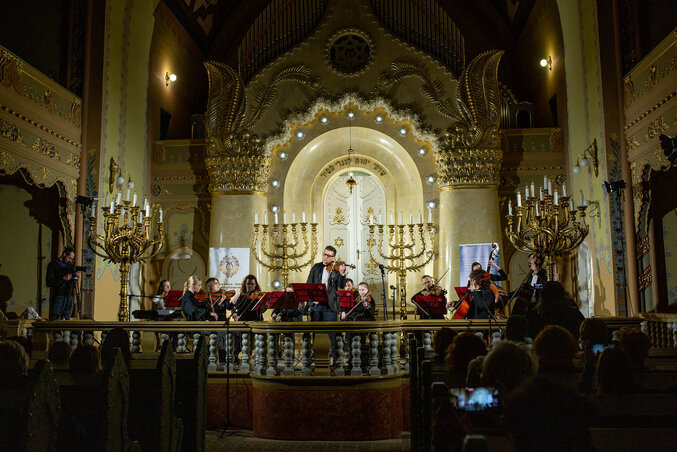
307, 292
346, 299
430, 305
461, 291
173, 297
282, 300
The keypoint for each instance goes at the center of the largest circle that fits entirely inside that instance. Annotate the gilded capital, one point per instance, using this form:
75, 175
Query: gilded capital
468, 166
238, 173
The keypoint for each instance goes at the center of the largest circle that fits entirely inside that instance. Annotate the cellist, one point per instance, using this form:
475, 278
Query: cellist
483, 299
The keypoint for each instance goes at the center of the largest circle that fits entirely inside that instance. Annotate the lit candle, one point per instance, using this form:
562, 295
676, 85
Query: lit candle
122, 212
107, 201
284, 218
420, 217
92, 211
411, 218
391, 219
509, 208
550, 188
160, 215
256, 218
519, 199
380, 219
582, 199
401, 218
537, 214
112, 206
118, 198
275, 218
134, 200
265, 218
145, 202
540, 192
545, 181
564, 189
140, 217
148, 209
571, 205
303, 216
293, 217
585, 203
371, 220
430, 215
556, 200
314, 218
128, 192
533, 190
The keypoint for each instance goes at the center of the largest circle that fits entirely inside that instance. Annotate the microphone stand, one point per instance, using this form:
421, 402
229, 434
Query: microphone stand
227, 325
393, 289
383, 285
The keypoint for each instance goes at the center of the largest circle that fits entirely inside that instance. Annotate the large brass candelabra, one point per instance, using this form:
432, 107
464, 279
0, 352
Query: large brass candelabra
546, 224
407, 253
127, 237
277, 246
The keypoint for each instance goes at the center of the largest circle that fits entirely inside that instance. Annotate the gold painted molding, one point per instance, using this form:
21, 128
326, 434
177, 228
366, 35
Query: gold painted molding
467, 167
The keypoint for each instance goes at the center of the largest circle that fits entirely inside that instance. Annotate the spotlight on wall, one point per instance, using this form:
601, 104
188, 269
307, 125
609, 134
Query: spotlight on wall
277, 284
669, 145
614, 186
431, 204
547, 62
169, 78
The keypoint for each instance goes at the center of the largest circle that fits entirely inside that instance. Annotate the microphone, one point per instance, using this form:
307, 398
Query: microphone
382, 268
393, 287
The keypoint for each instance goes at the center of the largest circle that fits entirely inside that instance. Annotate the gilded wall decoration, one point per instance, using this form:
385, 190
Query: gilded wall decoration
44, 147
641, 172
338, 242
76, 112
645, 278
10, 71
9, 131
656, 127
40, 126
655, 75
235, 158
349, 52
5, 159
338, 217
468, 166
631, 143
643, 246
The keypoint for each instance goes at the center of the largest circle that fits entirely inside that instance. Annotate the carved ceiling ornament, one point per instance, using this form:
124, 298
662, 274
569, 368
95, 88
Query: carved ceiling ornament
235, 158
10, 71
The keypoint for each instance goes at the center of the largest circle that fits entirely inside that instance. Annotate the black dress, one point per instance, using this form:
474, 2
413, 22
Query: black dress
193, 309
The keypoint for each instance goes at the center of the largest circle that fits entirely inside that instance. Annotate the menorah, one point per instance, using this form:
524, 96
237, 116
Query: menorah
407, 254
123, 240
281, 253
546, 223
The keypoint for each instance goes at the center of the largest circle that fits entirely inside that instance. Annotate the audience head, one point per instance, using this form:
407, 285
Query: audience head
443, 339
507, 365
59, 355
164, 287
635, 344
555, 348
85, 359
553, 292
593, 331
462, 350
614, 373
476, 276
517, 328
13, 359
250, 284
26, 343
543, 415
117, 337
473, 378
350, 285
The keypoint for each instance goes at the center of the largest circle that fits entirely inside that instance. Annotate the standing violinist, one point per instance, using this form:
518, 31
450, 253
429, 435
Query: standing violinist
483, 299
429, 288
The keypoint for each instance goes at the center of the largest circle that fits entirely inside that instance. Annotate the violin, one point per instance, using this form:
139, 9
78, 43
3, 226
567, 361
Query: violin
436, 291
335, 266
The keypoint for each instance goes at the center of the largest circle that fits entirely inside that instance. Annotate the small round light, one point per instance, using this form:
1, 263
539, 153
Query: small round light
130, 184
283, 155
351, 115
277, 284
430, 179
119, 181
275, 183
379, 119
299, 134
421, 151
431, 204
324, 120
577, 169
274, 208
584, 162
403, 131
172, 77
544, 62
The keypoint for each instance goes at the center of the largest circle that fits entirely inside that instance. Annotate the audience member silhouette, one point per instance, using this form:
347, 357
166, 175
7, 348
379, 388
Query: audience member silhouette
85, 359
555, 349
117, 337
636, 344
614, 373
59, 355
554, 308
517, 328
506, 366
13, 360
462, 350
443, 339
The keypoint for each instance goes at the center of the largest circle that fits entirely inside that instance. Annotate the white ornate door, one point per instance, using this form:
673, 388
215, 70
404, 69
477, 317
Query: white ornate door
346, 223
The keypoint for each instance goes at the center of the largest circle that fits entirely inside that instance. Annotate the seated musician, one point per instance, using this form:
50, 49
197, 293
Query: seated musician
217, 300
501, 274
289, 315
483, 299
244, 300
429, 288
194, 308
161, 295
364, 309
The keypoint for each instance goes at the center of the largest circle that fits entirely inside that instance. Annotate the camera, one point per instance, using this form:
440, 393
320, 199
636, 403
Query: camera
538, 286
596, 349
79, 268
474, 399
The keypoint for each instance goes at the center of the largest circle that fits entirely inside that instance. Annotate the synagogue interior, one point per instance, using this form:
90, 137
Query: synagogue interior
347, 224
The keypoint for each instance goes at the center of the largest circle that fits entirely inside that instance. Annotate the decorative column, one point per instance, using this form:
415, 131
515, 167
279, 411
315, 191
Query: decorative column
468, 164
238, 170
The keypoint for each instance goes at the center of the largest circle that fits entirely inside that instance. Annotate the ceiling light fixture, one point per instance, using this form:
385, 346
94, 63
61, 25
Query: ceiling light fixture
547, 62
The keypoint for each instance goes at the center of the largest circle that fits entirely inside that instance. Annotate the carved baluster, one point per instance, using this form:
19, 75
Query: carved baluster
163, 337
181, 343
88, 338
339, 371
245, 366
674, 335
305, 357
405, 364
136, 342
67, 338
75, 339
58, 336
395, 351
260, 351
230, 355
428, 345
213, 353
356, 371
272, 355
288, 370
196, 340
374, 371
387, 361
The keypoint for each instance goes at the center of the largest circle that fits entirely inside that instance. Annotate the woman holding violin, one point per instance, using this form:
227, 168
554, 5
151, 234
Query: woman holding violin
244, 300
194, 302
218, 299
364, 307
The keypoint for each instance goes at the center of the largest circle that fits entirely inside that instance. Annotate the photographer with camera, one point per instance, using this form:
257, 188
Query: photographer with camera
62, 277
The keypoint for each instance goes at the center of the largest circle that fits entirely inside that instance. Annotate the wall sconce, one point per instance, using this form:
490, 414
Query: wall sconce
169, 78
584, 159
594, 210
547, 62
114, 174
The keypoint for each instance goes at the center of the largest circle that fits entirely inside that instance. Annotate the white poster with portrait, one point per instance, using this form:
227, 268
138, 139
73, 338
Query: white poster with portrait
229, 266
475, 252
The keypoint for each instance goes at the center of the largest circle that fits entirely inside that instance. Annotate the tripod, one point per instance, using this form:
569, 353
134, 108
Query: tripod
227, 369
